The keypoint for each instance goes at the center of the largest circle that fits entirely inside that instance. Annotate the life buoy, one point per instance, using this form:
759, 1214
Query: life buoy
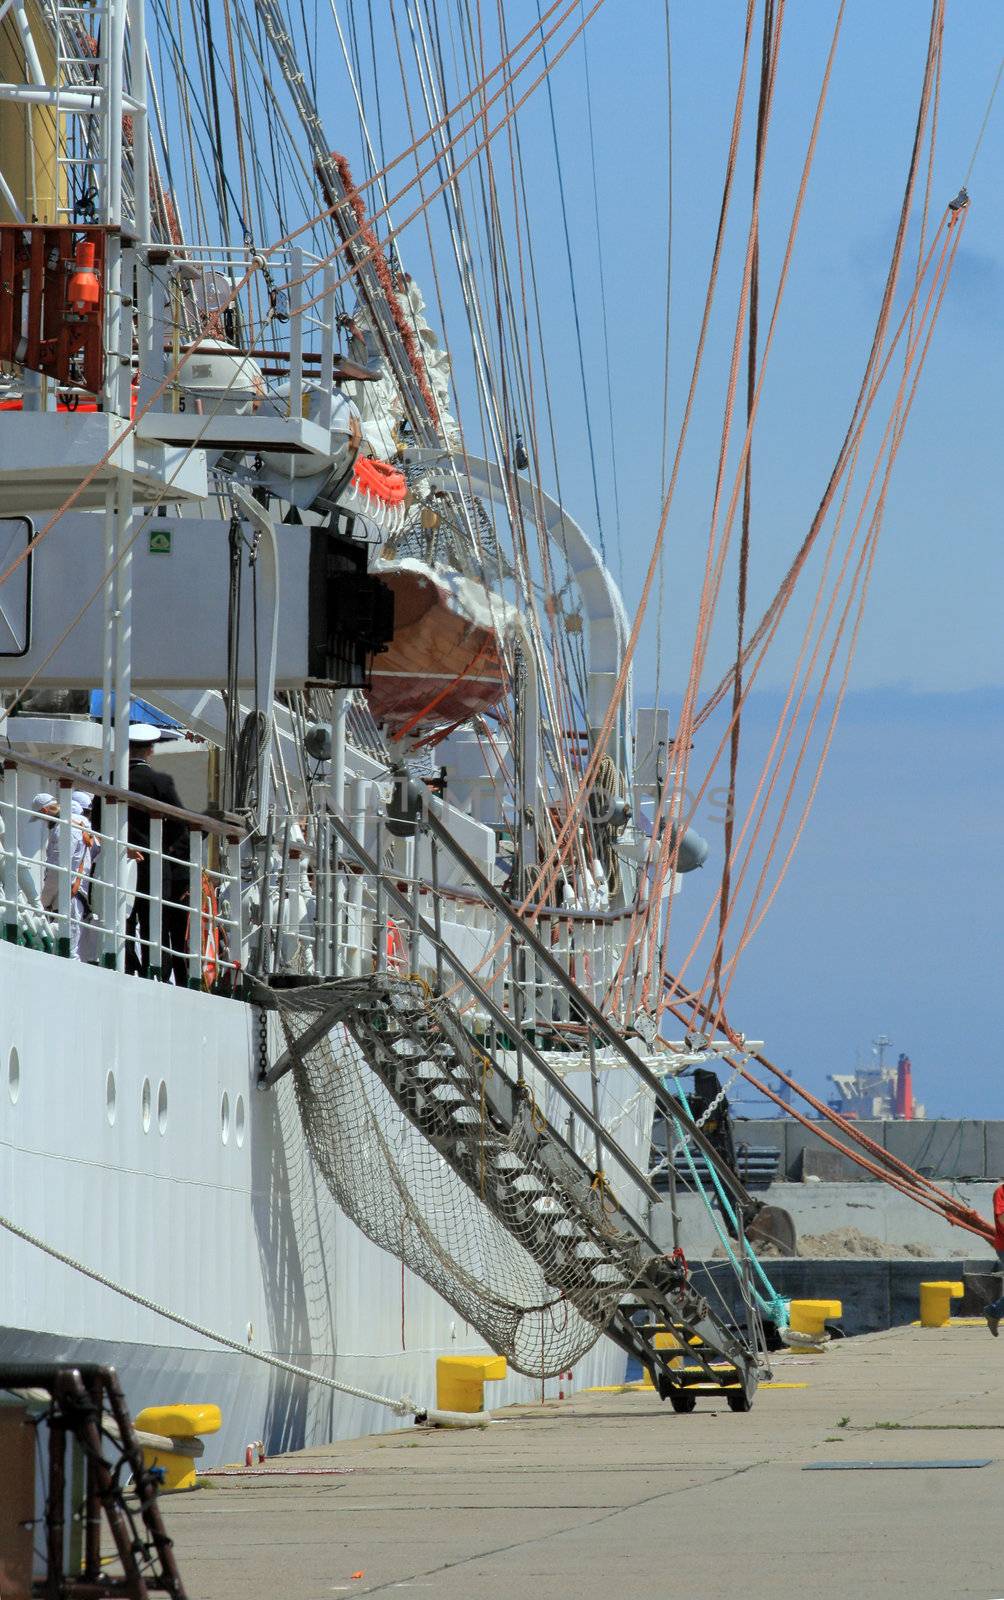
397, 960
210, 933
380, 480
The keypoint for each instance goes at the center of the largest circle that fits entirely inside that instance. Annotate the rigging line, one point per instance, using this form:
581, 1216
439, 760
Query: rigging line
549, 868
662, 852
227, 189
744, 542
892, 278
777, 736
462, 167
894, 1170
603, 308
376, 84
984, 124
462, 499
661, 591
356, 88
402, 1408
577, 647
677, 772
553, 683
807, 633
238, 124
575, 305
904, 407
894, 431
222, 187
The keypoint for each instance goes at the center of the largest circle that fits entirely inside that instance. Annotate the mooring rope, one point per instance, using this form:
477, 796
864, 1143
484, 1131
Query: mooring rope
402, 1408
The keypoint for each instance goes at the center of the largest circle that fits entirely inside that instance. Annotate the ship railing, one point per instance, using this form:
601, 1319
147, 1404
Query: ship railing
170, 907
262, 308
330, 917
296, 902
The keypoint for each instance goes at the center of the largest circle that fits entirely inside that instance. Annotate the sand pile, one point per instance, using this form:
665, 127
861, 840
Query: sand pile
851, 1242
846, 1244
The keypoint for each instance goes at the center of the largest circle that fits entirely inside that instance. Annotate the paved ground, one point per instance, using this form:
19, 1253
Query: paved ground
612, 1494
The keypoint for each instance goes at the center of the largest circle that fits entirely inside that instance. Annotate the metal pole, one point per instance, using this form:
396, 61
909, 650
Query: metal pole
437, 913
594, 1094
380, 914
153, 958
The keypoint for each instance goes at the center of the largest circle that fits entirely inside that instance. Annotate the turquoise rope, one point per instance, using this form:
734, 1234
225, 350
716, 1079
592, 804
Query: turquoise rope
772, 1304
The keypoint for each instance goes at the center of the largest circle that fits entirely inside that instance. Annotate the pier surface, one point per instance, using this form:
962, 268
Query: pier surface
612, 1494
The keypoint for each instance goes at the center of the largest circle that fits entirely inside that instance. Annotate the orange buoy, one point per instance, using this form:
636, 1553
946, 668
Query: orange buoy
84, 290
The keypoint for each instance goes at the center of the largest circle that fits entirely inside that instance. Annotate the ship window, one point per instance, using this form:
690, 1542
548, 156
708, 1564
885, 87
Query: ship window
13, 1075
111, 1098
225, 1117
162, 1107
146, 1103
239, 1121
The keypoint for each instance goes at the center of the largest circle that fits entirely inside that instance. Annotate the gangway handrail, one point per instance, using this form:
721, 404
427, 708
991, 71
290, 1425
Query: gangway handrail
511, 1026
592, 1014
501, 1019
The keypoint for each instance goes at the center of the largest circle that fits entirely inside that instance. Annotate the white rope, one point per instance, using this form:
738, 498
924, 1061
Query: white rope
402, 1408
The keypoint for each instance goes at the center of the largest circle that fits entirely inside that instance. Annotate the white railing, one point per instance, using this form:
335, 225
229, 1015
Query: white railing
111, 877
118, 880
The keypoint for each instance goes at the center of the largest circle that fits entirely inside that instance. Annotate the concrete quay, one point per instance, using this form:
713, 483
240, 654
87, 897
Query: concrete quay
611, 1494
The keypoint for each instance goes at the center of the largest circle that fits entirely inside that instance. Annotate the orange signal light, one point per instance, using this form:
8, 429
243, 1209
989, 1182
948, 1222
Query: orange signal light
84, 290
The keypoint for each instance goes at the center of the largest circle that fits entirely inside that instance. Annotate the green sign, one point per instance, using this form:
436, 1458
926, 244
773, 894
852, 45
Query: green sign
160, 541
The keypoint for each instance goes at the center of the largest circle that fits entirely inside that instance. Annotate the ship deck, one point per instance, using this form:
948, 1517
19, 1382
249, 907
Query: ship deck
610, 1493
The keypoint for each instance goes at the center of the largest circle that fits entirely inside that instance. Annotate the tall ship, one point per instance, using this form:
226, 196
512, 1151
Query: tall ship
334, 855
338, 865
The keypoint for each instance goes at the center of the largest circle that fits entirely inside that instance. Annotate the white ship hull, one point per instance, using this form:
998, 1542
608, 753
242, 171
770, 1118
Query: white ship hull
238, 1233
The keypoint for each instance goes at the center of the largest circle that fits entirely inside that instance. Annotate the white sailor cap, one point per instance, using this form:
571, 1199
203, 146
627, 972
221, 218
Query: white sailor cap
143, 733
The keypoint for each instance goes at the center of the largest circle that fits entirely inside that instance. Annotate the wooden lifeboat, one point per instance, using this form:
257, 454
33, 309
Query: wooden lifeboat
443, 664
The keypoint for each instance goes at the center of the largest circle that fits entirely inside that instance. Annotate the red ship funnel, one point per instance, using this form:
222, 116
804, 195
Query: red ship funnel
904, 1089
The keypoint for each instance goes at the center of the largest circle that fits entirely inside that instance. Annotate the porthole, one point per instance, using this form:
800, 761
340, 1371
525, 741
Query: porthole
240, 1122
146, 1103
111, 1099
225, 1117
13, 1075
162, 1107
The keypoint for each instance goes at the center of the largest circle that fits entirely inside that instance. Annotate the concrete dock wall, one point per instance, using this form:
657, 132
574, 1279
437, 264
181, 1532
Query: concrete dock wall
941, 1148
875, 1294
818, 1208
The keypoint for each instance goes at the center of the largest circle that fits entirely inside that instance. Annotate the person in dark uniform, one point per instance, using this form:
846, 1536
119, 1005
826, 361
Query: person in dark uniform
146, 780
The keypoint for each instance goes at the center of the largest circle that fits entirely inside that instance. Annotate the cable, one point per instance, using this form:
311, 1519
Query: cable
401, 1408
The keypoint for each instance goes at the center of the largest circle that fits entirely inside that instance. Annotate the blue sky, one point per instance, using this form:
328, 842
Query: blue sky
886, 921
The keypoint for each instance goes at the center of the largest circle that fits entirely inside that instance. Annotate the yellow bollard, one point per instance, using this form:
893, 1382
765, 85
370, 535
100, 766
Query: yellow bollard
811, 1316
460, 1381
184, 1426
936, 1302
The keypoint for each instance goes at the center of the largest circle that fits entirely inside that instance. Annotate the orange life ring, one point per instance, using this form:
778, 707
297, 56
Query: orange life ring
210, 933
397, 960
379, 479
